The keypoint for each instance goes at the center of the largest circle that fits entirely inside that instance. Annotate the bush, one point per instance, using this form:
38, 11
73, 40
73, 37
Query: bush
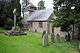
8, 24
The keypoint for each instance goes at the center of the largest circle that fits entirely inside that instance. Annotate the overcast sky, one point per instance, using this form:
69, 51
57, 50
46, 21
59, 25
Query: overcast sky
48, 3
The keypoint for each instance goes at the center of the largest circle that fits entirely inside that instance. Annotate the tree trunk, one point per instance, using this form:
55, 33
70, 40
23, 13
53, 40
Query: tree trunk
73, 32
52, 35
76, 37
52, 38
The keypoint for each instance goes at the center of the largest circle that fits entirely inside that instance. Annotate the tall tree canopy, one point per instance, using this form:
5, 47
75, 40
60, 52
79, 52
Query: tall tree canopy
6, 10
68, 13
41, 5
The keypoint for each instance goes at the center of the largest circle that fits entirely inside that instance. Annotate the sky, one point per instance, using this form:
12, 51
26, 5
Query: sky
48, 3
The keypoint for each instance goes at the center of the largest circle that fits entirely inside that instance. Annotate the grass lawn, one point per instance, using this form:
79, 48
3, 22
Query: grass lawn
31, 43
2, 30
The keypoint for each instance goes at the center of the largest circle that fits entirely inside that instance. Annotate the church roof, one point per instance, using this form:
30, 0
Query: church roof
40, 15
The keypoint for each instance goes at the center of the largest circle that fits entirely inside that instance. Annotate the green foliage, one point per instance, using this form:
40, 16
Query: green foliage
41, 5
66, 15
32, 43
6, 10
20, 24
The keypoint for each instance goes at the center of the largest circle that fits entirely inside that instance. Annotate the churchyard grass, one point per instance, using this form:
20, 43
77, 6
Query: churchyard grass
32, 43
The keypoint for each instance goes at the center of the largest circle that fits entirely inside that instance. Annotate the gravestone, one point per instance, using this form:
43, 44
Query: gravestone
67, 37
58, 38
52, 38
45, 38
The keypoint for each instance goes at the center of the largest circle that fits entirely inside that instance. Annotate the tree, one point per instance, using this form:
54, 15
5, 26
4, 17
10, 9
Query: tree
41, 5
67, 15
6, 10
68, 12
24, 8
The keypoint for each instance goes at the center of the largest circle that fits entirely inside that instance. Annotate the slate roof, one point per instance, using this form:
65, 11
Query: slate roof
40, 15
